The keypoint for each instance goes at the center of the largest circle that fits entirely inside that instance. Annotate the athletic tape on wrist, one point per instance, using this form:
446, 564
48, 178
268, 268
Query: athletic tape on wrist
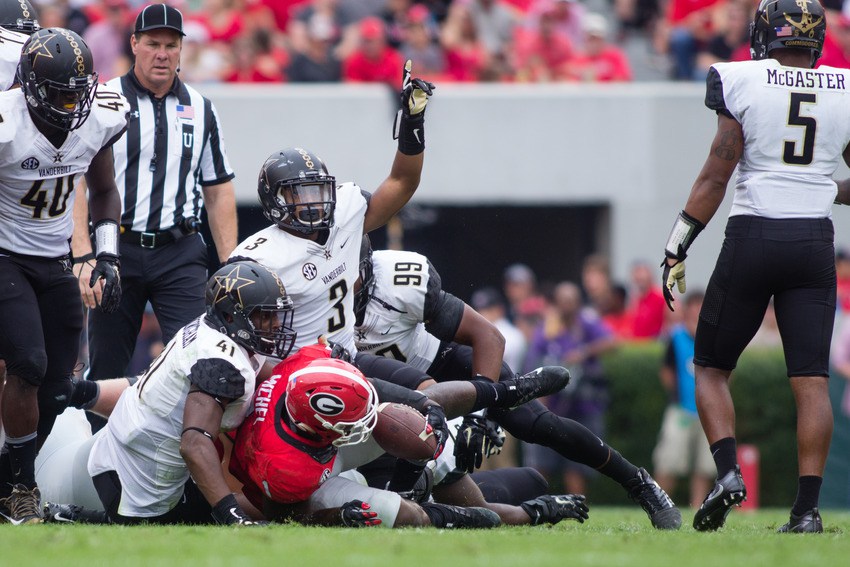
684, 232
106, 238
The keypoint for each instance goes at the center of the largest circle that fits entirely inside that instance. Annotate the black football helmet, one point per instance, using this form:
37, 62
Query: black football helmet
57, 76
18, 16
296, 191
367, 279
247, 302
799, 24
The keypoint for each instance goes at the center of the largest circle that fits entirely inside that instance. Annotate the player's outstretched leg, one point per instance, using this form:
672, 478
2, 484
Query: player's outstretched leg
458, 517
658, 506
727, 492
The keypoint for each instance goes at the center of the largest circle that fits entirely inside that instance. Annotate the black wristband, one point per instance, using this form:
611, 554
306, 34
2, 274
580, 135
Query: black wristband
410, 132
83, 258
227, 511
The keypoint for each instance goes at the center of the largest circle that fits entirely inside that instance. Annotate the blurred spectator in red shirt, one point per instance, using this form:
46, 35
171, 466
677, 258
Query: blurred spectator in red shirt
686, 27
282, 11
615, 314
317, 64
600, 61
733, 32
646, 308
466, 57
374, 61
223, 22
566, 16
541, 54
109, 39
419, 46
255, 60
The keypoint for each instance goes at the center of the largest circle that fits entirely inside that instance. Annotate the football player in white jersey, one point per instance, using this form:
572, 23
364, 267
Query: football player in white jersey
786, 126
18, 20
156, 460
403, 313
55, 128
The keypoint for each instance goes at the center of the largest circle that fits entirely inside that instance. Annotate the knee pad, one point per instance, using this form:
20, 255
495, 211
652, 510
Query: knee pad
29, 365
54, 396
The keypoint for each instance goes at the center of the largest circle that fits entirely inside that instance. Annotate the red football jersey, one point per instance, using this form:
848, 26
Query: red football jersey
268, 457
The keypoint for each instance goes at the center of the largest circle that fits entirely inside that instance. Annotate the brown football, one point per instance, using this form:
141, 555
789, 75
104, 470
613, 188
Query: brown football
403, 432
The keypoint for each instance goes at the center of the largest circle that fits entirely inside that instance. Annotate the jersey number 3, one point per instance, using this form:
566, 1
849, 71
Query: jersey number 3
789, 154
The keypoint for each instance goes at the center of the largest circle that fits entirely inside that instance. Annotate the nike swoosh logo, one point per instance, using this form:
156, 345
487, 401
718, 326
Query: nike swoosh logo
416, 135
60, 518
11, 520
341, 246
387, 331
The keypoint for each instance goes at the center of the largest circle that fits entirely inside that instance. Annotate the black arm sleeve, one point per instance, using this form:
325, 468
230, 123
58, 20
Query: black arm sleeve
218, 378
443, 311
714, 93
389, 392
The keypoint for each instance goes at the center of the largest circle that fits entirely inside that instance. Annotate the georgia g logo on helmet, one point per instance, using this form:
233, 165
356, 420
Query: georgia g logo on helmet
327, 404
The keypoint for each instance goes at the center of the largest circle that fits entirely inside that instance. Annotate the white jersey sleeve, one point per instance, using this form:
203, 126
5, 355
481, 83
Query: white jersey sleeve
10, 55
318, 277
393, 323
796, 124
142, 438
37, 179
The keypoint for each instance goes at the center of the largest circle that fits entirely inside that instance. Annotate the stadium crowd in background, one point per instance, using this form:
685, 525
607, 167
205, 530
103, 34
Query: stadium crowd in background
274, 41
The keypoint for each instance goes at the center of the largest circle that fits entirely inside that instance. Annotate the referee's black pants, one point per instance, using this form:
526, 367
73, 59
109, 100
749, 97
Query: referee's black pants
172, 277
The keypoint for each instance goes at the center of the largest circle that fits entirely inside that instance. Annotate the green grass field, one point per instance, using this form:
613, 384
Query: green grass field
612, 537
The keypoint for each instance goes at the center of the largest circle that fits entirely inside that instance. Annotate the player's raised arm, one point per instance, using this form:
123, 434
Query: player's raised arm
409, 130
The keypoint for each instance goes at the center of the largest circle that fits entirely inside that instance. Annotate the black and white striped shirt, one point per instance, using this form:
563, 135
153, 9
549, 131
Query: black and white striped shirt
173, 147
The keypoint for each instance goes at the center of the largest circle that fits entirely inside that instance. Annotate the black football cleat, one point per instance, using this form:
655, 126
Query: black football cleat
658, 506
727, 492
22, 506
72, 514
421, 491
806, 523
543, 381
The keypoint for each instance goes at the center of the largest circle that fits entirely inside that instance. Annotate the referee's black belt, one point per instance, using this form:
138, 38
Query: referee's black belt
155, 238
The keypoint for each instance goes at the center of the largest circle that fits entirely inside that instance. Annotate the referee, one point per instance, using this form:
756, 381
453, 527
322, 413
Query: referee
169, 164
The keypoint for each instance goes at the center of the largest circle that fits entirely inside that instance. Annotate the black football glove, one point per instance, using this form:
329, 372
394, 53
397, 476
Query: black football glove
414, 92
340, 352
553, 509
107, 267
477, 438
358, 514
436, 419
228, 513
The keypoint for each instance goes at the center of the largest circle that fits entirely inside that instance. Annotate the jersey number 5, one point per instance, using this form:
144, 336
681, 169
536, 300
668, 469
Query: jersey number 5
790, 155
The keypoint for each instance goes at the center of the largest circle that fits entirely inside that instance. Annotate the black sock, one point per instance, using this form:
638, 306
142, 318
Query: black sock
489, 394
618, 468
22, 452
725, 455
808, 491
441, 515
85, 394
405, 475
5, 473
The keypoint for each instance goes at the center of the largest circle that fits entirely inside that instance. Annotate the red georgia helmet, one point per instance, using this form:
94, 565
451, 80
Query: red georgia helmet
331, 399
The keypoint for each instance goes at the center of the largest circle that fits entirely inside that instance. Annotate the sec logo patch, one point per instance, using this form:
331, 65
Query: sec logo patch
309, 271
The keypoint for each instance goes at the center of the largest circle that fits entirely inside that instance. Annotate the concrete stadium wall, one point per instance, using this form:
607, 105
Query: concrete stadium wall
636, 148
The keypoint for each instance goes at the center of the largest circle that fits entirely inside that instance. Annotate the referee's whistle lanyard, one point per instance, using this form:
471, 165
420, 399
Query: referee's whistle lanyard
157, 131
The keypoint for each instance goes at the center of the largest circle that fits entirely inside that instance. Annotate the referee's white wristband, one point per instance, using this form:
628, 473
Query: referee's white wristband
106, 238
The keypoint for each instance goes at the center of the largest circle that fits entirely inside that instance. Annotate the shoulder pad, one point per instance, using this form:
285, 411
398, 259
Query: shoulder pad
9, 114
110, 109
